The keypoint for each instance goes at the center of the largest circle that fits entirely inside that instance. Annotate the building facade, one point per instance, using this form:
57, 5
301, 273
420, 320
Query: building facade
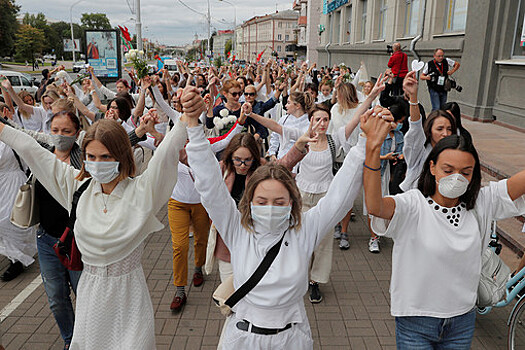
273, 34
307, 32
219, 43
486, 37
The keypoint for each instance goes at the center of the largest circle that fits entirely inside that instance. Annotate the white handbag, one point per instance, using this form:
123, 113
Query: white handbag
494, 276
24, 213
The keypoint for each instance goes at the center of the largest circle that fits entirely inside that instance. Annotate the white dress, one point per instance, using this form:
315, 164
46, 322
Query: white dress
15, 243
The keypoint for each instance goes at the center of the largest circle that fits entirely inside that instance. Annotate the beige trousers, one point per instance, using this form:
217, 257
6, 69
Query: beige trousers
321, 263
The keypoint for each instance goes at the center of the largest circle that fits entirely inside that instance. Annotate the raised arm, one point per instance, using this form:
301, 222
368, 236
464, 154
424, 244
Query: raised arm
516, 185
410, 86
267, 122
79, 105
376, 129
6, 84
170, 112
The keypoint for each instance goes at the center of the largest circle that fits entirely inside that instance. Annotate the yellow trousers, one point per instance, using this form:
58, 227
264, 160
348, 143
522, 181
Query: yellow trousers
180, 216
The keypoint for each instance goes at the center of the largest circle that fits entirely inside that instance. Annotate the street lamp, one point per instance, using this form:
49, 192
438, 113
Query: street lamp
71, 22
234, 39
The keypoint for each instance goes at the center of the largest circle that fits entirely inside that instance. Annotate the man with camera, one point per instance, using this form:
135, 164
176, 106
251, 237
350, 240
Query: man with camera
436, 73
398, 64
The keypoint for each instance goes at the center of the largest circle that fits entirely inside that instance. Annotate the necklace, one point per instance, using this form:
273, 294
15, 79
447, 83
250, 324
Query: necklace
105, 210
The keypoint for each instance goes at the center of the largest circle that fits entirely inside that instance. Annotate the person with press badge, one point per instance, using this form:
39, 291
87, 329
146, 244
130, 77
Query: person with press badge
436, 73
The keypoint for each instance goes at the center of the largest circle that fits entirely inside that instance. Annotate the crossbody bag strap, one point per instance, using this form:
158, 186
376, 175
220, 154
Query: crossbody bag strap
257, 275
76, 197
331, 144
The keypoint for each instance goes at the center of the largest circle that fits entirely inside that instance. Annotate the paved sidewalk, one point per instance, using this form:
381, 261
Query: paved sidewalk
353, 315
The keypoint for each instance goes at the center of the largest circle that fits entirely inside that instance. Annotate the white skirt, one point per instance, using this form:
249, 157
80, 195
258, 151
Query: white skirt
113, 308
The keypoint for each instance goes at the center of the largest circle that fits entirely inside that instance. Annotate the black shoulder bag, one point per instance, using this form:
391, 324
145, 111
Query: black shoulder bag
335, 165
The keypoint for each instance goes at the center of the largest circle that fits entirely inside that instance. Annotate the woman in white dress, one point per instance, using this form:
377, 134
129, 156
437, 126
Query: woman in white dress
114, 216
18, 245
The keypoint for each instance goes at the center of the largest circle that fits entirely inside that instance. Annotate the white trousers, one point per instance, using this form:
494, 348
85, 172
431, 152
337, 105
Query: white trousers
298, 337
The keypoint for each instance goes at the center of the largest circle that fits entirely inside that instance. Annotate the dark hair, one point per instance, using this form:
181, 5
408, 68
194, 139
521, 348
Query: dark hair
427, 181
124, 82
437, 49
124, 109
319, 108
311, 86
454, 109
128, 98
399, 110
427, 126
245, 82
72, 117
45, 72
242, 140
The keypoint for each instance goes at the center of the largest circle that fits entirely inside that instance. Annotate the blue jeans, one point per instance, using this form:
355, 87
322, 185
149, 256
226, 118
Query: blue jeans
429, 333
57, 282
438, 99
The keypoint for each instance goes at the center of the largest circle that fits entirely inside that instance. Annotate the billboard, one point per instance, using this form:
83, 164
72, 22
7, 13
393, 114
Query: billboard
103, 53
68, 45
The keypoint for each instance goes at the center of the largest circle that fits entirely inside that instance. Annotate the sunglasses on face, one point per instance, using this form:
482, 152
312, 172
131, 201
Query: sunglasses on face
235, 94
249, 94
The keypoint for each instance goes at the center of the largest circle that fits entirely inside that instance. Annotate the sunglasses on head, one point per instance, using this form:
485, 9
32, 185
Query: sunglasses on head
249, 94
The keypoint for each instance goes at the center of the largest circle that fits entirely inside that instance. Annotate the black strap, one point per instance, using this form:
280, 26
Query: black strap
331, 144
76, 197
257, 275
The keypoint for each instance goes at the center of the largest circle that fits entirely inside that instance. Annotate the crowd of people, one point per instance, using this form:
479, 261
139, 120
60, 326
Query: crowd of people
249, 160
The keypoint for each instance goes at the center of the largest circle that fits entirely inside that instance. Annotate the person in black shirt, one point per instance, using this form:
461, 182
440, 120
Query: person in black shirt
435, 73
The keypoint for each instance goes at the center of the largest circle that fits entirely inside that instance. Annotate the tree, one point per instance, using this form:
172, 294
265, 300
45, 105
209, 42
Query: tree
62, 30
29, 41
8, 26
228, 47
39, 21
95, 21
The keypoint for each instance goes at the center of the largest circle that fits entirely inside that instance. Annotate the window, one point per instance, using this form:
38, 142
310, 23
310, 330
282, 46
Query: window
279, 37
337, 27
349, 23
14, 80
279, 24
411, 17
278, 48
286, 37
25, 81
518, 49
455, 16
381, 20
364, 4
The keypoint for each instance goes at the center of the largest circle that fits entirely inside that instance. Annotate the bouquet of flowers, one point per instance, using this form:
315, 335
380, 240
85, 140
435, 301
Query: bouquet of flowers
79, 78
225, 122
140, 64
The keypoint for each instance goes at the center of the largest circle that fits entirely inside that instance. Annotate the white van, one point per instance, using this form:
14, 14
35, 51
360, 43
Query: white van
20, 81
171, 66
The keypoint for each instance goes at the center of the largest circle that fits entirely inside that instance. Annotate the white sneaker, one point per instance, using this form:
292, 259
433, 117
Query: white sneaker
373, 245
343, 243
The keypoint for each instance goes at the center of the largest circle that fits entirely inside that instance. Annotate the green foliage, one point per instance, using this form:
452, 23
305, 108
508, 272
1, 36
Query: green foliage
36, 21
228, 47
218, 62
95, 21
29, 42
8, 26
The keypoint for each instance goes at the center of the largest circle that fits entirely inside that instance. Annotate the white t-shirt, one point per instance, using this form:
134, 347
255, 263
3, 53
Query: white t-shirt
449, 61
35, 121
436, 260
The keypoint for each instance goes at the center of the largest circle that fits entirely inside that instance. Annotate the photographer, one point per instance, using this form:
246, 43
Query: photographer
398, 63
436, 73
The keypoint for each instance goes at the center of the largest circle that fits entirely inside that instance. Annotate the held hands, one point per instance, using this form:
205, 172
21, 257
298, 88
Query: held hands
246, 109
376, 124
192, 105
145, 82
7, 113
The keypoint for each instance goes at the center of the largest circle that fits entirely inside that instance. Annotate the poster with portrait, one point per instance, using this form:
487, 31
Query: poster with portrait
103, 53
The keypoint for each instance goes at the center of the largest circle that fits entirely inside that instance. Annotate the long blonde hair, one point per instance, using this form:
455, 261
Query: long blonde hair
23, 94
271, 171
347, 97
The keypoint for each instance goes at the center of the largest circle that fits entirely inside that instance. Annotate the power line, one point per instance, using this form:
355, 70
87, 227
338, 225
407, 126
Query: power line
191, 9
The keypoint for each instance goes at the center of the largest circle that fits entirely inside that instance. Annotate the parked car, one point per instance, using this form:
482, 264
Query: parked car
20, 81
50, 57
171, 66
80, 66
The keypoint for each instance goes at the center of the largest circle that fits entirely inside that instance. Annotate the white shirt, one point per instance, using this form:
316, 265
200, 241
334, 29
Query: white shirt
278, 298
450, 62
436, 265
416, 152
277, 144
337, 121
315, 173
35, 121
105, 238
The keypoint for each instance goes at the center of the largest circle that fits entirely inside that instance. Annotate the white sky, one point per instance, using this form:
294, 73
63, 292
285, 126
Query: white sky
165, 21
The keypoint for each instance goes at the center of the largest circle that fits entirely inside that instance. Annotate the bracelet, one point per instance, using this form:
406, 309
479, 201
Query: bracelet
373, 169
413, 103
249, 114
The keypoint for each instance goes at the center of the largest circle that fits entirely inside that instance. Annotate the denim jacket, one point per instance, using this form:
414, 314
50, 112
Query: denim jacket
387, 146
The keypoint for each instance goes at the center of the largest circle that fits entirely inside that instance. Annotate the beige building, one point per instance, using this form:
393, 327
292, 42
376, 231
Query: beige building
219, 43
307, 32
273, 33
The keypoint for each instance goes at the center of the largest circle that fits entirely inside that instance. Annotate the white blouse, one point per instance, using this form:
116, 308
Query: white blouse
416, 152
105, 238
278, 298
436, 260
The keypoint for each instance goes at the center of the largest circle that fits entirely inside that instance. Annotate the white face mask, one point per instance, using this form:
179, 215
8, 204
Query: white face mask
453, 186
103, 172
271, 218
63, 142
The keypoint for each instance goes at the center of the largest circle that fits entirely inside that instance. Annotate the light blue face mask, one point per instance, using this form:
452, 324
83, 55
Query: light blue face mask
103, 172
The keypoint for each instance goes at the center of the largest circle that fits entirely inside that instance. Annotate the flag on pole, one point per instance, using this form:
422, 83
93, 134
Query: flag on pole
260, 55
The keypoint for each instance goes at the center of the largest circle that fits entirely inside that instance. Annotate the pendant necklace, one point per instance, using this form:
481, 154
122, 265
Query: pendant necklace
105, 210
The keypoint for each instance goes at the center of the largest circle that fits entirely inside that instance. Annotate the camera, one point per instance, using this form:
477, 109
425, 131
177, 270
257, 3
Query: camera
454, 85
389, 49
